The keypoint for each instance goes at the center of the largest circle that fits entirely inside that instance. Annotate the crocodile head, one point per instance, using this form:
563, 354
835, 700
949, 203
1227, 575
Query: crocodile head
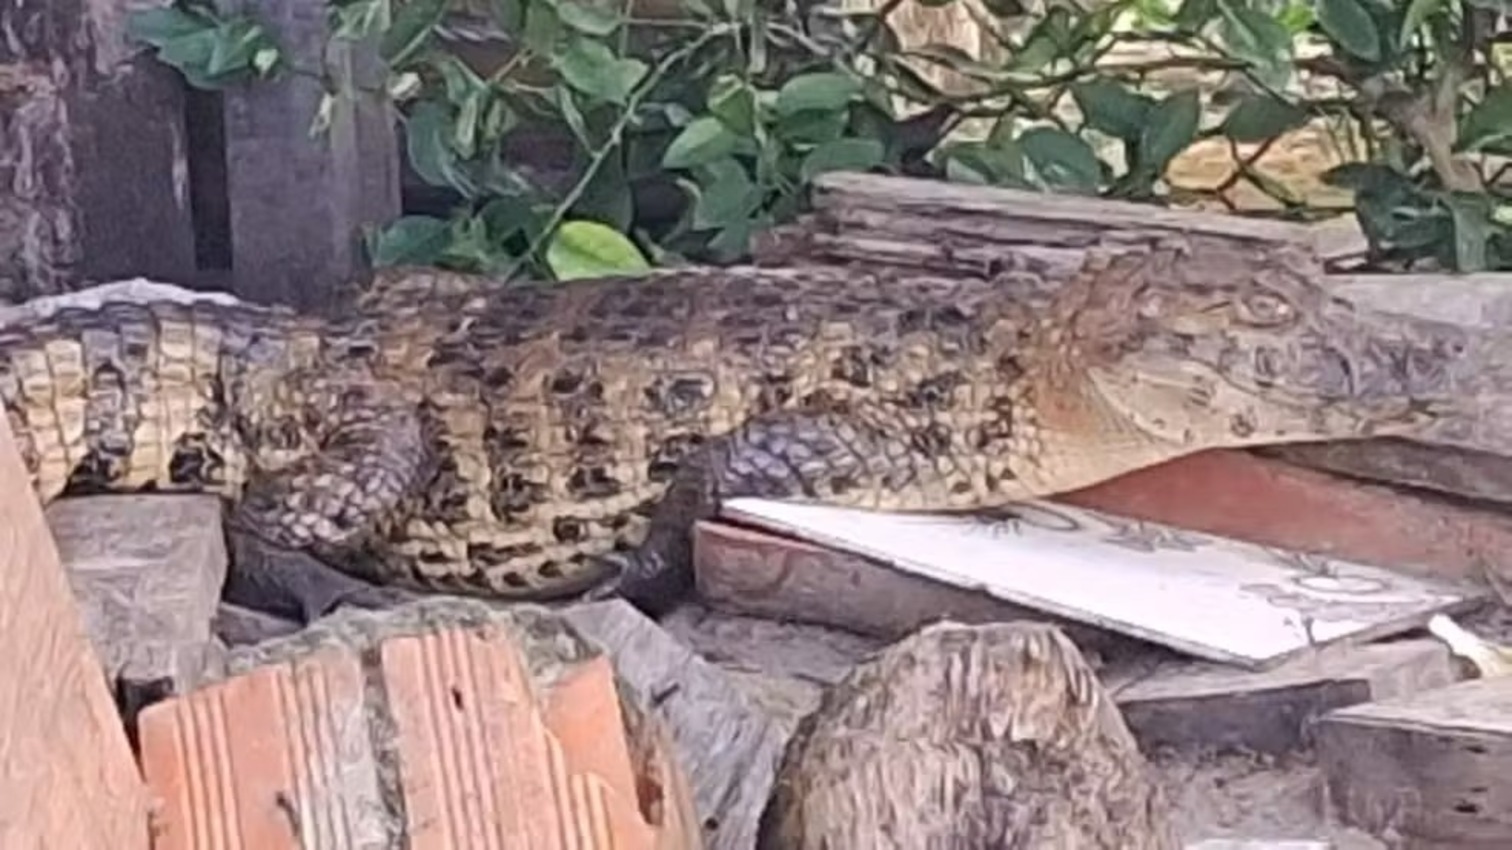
1195, 355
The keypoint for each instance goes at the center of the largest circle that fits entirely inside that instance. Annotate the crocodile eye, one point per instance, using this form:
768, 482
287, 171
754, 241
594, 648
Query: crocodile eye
1263, 309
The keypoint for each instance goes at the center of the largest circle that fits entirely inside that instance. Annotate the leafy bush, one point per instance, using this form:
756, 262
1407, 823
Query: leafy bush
689, 125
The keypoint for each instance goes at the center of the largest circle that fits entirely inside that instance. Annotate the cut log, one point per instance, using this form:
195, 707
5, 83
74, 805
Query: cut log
968, 736
1427, 770
92, 152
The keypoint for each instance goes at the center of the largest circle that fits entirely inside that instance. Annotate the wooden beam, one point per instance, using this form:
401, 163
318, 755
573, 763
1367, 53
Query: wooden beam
67, 774
1430, 768
298, 204
92, 153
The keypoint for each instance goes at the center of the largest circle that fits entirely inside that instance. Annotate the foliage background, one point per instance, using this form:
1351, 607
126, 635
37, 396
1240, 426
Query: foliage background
683, 127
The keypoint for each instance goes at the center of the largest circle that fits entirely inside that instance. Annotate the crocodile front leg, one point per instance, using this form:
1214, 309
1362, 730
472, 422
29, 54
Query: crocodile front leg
293, 525
874, 460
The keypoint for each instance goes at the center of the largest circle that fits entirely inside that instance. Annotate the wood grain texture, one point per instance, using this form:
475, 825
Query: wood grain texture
67, 776
1430, 768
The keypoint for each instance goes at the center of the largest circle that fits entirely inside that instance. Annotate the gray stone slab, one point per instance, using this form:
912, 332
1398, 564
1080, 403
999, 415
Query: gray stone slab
147, 572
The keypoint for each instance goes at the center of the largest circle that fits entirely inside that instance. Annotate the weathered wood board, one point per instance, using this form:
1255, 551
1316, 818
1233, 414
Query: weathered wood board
906, 223
298, 205
92, 149
1430, 768
67, 775
1200, 594
1185, 705
754, 585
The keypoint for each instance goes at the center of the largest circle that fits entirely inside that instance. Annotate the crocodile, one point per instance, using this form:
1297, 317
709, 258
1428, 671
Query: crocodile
546, 442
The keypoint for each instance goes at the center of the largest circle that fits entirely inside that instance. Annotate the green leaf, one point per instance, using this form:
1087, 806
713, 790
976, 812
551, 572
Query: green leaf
362, 19
987, 165
593, 69
842, 155
725, 195
506, 215
812, 127
825, 91
1471, 217
542, 27
607, 196
414, 24
157, 27
704, 140
1193, 14
733, 102
236, 43
1418, 11
1257, 38
589, 20
427, 134
409, 240
1004, 8
1061, 159
566, 105
1111, 108
1172, 126
508, 14
587, 249
1259, 117
1297, 18
1348, 24
1488, 124
189, 53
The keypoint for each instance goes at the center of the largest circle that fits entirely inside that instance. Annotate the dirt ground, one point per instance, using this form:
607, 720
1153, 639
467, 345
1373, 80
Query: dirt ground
784, 667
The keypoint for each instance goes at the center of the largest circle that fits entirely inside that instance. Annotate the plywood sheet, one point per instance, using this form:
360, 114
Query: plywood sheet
1197, 593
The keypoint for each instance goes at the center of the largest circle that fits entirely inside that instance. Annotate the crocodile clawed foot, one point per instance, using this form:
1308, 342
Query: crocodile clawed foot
645, 579
294, 584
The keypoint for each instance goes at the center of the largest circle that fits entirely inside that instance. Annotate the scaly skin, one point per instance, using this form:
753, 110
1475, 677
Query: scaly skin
527, 443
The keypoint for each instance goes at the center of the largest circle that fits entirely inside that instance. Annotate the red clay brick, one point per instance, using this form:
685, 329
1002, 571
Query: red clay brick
582, 711
67, 777
283, 756
1240, 495
275, 759
478, 770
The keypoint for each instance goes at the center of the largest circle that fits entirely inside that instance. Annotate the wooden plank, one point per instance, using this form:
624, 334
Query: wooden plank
1201, 706
93, 152
67, 775
904, 223
1263, 500
298, 205
1170, 701
750, 571
1213, 598
1429, 768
